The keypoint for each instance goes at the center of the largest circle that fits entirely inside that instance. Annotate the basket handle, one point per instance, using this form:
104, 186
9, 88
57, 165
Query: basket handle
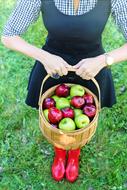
72, 69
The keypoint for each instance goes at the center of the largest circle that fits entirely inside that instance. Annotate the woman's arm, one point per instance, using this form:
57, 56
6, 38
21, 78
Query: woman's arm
17, 43
119, 54
23, 15
90, 67
51, 62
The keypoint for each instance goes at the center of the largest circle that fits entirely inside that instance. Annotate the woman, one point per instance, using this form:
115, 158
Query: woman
74, 41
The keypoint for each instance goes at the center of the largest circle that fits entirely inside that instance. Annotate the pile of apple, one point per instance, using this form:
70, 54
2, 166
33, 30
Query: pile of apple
69, 108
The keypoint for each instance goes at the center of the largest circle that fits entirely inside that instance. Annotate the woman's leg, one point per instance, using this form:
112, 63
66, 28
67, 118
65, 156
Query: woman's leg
72, 165
58, 166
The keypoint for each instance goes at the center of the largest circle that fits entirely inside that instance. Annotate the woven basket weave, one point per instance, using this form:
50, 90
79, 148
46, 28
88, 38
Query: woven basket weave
62, 139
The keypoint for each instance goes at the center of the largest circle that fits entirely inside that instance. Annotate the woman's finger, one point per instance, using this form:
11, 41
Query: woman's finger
48, 70
85, 75
58, 70
67, 65
77, 65
89, 76
56, 75
64, 70
80, 71
53, 71
50, 73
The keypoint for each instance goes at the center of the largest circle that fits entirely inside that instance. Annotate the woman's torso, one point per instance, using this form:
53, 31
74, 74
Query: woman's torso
74, 38
78, 35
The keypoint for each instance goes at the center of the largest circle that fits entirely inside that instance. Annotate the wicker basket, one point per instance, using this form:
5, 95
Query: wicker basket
67, 140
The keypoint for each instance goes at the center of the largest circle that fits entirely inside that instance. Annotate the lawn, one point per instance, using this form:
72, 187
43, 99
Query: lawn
26, 157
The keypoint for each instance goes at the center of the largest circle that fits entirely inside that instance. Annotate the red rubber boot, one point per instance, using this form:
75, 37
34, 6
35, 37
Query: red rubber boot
72, 165
58, 166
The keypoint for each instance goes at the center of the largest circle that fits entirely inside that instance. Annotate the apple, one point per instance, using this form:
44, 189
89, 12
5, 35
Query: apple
62, 103
68, 97
77, 101
77, 90
89, 110
67, 124
46, 114
77, 112
88, 99
48, 103
56, 98
68, 112
54, 125
62, 90
82, 120
54, 115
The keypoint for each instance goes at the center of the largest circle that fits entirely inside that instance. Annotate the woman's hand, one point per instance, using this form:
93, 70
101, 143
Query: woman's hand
55, 64
90, 67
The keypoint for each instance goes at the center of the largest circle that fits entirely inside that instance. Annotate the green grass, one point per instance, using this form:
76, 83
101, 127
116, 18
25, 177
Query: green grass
26, 157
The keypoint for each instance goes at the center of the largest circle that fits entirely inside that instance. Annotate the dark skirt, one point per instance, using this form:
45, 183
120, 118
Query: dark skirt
104, 78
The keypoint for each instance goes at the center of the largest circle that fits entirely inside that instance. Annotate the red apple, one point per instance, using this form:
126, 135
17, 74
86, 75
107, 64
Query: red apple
89, 110
54, 115
77, 101
62, 90
48, 103
88, 99
68, 112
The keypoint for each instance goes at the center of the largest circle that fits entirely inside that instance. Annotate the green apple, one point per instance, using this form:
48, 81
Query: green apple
56, 98
67, 124
68, 97
77, 112
62, 103
46, 114
82, 120
77, 90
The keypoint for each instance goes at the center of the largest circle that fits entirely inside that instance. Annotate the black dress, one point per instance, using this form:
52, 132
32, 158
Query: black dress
73, 38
